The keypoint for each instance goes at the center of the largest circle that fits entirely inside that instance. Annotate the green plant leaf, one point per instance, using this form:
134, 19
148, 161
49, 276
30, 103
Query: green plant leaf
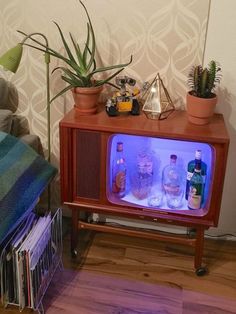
203, 83
86, 48
75, 78
94, 61
47, 49
70, 55
101, 82
112, 67
80, 57
61, 93
93, 41
212, 74
74, 82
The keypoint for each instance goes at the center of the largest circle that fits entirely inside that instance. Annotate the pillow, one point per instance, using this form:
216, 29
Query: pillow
20, 125
13, 97
3, 93
5, 120
8, 95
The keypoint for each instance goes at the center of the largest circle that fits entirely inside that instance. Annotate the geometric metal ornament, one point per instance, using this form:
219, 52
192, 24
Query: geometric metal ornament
158, 104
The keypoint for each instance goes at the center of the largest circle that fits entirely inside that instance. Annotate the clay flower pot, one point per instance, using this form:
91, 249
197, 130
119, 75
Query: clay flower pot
200, 110
86, 99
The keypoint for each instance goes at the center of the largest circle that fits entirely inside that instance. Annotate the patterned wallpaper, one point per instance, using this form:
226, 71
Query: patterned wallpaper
165, 36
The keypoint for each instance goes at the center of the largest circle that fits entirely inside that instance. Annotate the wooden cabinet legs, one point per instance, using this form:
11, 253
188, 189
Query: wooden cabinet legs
199, 246
197, 242
74, 232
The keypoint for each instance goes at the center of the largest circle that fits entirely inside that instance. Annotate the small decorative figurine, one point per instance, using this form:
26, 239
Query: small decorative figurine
123, 100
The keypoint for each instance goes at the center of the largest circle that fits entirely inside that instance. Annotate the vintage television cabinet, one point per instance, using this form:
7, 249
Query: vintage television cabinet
87, 144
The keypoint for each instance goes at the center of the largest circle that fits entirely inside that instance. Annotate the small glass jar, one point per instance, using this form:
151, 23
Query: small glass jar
155, 198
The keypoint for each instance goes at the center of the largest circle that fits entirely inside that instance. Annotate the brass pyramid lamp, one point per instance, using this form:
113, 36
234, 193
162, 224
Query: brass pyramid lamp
158, 104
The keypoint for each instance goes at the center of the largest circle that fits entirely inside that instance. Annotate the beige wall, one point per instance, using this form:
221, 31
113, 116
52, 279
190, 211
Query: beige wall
221, 45
163, 35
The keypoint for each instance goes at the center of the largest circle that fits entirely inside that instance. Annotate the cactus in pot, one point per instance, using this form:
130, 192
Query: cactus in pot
203, 81
201, 99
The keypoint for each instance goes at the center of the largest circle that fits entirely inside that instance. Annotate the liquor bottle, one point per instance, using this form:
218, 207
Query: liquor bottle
119, 172
173, 183
190, 170
142, 175
195, 188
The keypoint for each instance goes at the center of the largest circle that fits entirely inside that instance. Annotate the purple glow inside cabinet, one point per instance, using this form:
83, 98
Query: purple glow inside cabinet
88, 148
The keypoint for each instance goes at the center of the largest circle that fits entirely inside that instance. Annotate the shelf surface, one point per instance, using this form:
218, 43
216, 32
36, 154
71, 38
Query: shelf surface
175, 126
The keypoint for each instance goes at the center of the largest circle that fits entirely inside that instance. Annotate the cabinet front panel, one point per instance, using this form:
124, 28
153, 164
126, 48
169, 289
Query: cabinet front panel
87, 164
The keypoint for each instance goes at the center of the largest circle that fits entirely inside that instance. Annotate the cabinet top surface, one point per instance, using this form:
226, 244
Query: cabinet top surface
175, 126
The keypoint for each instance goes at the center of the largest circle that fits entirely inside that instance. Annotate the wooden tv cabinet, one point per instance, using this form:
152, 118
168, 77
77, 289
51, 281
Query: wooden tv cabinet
84, 160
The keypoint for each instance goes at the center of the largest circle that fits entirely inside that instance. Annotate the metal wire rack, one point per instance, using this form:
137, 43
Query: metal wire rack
26, 271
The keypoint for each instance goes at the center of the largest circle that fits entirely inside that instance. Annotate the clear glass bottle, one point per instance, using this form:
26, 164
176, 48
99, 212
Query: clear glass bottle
195, 188
119, 172
172, 182
142, 176
190, 171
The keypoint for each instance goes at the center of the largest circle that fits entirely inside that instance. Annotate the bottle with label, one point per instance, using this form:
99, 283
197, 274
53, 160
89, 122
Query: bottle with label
190, 170
172, 181
142, 176
119, 172
195, 188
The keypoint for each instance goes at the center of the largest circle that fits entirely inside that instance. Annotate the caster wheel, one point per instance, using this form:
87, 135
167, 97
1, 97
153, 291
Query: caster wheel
201, 271
74, 253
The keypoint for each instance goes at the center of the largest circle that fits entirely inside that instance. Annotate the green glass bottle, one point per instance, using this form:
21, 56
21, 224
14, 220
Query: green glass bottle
196, 188
190, 170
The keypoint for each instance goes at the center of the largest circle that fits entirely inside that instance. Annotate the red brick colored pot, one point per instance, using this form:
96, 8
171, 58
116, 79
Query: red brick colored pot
86, 99
200, 110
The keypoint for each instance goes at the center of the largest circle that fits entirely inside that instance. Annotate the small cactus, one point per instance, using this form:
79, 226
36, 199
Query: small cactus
203, 81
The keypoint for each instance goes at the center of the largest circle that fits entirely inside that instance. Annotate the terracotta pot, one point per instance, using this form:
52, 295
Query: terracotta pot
200, 110
86, 99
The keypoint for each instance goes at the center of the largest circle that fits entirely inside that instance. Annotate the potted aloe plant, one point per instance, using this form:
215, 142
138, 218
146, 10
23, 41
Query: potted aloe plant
80, 69
201, 99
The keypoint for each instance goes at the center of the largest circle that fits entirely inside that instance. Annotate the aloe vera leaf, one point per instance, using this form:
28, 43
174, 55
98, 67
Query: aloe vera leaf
93, 41
69, 53
94, 61
68, 72
86, 48
80, 57
75, 78
46, 48
101, 82
52, 53
112, 67
74, 82
60, 93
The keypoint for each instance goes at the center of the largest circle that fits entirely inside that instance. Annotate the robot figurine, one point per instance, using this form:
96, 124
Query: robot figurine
123, 100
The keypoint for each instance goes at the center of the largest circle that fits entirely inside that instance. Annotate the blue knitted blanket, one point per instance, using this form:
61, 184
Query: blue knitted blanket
23, 176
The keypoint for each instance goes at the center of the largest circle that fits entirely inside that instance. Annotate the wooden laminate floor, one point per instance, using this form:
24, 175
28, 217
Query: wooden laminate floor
124, 275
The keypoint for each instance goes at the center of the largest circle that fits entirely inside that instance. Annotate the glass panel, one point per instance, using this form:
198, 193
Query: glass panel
141, 175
